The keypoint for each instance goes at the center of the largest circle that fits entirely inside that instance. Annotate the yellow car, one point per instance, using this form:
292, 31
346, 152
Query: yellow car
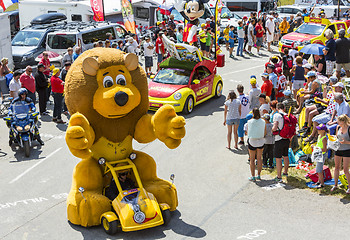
184, 84
133, 207
311, 31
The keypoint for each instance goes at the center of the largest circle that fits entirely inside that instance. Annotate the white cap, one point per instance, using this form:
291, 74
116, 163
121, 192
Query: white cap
339, 84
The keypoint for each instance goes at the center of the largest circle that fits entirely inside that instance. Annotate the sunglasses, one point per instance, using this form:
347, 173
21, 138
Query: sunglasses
123, 174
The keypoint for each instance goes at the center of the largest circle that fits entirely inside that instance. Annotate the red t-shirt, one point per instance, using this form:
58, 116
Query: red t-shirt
47, 64
257, 28
266, 88
56, 85
160, 46
27, 82
281, 86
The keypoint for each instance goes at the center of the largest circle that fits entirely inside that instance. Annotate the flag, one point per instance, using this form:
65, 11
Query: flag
165, 10
6, 3
128, 16
97, 8
218, 7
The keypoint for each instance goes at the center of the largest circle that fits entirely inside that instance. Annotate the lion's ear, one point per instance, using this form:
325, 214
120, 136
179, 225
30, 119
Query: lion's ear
90, 66
131, 61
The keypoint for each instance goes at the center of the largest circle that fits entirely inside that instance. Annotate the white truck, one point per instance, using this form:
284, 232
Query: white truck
5, 39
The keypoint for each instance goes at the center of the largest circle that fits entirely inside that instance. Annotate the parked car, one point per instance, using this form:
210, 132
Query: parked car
82, 34
31, 41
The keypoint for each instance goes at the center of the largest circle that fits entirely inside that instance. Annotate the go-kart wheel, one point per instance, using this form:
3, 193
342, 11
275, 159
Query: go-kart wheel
189, 104
26, 148
110, 228
166, 216
218, 90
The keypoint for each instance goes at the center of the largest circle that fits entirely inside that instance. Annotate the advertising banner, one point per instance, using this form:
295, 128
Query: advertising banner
128, 16
97, 8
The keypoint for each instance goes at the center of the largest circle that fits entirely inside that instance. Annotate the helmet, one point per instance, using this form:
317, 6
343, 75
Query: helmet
203, 25
22, 91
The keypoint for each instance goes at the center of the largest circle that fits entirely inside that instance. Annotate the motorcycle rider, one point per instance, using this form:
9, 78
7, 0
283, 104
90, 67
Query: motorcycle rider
22, 97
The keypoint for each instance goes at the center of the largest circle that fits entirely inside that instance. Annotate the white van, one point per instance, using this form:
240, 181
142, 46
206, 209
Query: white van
83, 35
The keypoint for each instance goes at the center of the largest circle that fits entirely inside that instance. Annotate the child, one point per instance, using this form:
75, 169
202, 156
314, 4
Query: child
322, 144
254, 94
232, 115
269, 142
281, 84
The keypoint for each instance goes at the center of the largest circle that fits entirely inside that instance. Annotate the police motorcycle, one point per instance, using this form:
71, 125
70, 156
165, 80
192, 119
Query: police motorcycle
22, 120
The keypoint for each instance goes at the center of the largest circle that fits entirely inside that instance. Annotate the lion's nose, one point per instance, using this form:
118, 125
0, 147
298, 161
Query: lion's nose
121, 98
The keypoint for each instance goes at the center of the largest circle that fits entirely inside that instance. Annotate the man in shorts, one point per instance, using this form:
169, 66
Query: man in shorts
342, 47
231, 40
251, 38
148, 48
259, 35
281, 144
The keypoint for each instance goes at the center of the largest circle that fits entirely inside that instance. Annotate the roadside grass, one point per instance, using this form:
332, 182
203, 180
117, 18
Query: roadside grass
296, 178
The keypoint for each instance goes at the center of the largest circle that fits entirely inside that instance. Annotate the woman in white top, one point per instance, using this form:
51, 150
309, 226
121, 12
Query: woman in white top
231, 117
264, 104
256, 130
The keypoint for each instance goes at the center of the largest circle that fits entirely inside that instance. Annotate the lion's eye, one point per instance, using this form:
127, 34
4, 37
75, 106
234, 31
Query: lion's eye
120, 80
108, 82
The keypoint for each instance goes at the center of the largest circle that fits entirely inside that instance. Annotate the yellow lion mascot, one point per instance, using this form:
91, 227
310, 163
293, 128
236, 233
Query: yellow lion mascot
107, 94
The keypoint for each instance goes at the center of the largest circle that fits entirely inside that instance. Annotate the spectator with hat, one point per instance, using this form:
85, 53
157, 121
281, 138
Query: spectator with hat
202, 35
281, 84
148, 52
207, 23
266, 87
342, 47
314, 89
42, 84
325, 117
288, 101
28, 82
254, 94
273, 78
57, 89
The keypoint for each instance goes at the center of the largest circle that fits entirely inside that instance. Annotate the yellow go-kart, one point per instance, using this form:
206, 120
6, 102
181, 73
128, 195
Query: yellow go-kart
133, 209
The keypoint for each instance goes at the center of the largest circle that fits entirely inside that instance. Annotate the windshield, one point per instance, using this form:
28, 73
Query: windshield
21, 108
172, 76
312, 29
27, 38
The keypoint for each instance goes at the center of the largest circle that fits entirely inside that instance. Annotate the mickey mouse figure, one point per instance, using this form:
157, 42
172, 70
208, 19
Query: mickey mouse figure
191, 10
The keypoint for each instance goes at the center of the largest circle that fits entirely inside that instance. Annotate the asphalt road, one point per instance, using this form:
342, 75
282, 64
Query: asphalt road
216, 201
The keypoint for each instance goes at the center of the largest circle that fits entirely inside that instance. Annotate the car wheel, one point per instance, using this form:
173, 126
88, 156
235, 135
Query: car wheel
189, 104
110, 228
166, 217
218, 90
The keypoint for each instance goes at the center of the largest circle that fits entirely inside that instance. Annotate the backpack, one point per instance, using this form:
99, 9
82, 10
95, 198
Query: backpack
289, 126
314, 176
